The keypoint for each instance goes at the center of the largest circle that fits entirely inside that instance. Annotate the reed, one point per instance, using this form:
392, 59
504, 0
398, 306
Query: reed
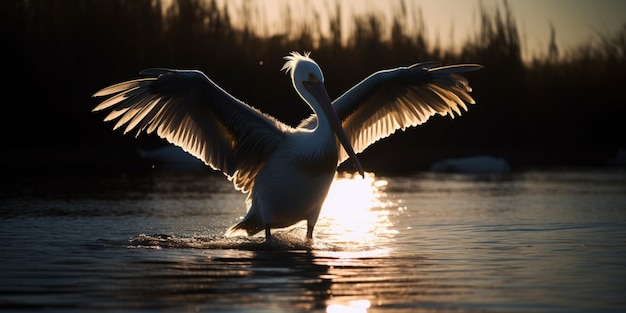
65, 50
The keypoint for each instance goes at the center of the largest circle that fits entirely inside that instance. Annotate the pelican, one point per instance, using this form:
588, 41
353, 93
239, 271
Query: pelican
285, 171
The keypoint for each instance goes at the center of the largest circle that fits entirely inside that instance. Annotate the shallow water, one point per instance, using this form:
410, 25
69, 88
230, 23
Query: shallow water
533, 241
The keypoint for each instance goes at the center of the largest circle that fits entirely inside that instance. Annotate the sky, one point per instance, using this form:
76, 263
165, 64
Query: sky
453, 21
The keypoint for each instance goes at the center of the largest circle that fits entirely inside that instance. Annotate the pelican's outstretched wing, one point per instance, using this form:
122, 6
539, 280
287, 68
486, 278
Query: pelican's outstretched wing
399, 98
189, 110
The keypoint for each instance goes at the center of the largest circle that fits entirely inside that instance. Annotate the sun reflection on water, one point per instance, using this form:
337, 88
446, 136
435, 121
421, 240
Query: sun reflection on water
356, 211
354, 306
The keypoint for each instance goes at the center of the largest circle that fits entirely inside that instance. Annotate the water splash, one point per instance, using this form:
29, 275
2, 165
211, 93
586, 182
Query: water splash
280, 242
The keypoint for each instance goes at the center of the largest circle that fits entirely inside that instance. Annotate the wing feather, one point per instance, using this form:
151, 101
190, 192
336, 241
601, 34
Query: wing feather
119, 87
187, 109
399, 98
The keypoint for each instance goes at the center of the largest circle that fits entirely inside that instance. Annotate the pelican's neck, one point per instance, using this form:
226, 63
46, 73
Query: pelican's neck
323, 127
319, 150
317, 147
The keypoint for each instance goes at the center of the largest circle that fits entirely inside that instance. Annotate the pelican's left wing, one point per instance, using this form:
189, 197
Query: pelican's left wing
191, 111
399, 98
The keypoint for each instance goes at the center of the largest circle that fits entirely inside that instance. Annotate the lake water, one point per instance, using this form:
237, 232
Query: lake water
532, 241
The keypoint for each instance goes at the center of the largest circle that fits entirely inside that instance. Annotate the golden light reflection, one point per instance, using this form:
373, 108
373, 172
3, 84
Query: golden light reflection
355, 306
355, 211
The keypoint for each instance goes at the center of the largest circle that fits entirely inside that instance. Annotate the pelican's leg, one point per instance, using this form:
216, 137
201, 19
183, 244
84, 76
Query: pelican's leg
310, 224
309, 230
268, 233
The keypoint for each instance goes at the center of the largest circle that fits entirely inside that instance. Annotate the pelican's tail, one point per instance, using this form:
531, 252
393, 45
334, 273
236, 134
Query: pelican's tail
251, 224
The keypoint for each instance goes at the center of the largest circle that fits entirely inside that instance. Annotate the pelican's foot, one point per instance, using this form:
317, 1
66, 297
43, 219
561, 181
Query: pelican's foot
309, 241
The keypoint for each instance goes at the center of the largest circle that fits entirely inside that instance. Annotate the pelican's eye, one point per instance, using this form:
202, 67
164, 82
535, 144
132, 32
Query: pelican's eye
313, 78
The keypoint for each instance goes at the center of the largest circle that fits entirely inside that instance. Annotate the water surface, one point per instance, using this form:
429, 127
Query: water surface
533, 241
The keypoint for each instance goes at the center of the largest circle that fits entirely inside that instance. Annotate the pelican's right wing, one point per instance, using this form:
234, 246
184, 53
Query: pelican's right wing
399, 98
191, 111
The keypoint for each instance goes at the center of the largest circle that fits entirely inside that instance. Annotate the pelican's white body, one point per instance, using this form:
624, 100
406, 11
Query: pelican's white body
294, 182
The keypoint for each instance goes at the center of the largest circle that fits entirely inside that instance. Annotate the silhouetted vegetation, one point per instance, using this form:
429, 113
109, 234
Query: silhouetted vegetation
564, 108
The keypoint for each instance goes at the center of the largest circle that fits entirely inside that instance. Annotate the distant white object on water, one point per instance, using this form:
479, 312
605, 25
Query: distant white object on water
472, 165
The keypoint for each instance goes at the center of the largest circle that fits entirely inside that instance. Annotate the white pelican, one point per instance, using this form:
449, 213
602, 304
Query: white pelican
285, 171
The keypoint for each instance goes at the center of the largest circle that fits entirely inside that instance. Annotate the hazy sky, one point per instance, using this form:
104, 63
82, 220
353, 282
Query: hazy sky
575, 21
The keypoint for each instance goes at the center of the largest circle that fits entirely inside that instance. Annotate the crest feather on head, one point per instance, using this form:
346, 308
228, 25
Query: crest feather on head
292, 59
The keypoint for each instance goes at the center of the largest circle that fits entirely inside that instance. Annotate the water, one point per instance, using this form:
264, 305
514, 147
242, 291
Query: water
533, 241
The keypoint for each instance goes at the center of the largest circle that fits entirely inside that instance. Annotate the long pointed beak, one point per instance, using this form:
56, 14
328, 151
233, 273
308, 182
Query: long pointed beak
318, 90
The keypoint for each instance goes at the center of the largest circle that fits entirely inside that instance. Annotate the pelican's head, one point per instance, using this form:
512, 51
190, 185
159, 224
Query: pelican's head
308, 80
302, 68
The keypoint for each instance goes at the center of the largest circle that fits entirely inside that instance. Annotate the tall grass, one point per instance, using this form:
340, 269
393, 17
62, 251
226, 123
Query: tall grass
550, 110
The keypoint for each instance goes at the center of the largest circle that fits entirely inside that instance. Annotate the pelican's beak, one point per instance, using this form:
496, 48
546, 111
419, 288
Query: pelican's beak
318, 90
